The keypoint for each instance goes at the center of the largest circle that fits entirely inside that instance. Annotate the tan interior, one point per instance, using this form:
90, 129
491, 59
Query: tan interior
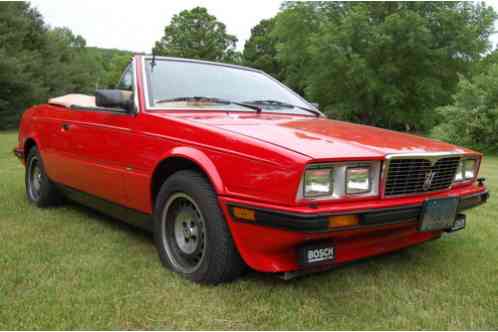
71, 100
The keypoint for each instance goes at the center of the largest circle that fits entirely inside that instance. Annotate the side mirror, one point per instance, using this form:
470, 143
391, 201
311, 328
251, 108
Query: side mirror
120, 99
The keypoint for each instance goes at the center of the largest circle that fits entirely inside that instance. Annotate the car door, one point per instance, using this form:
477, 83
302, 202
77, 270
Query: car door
95, 148
48, 127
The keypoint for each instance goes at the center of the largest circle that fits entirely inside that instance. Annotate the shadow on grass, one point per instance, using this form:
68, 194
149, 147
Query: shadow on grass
111, 223
370, 265
402, 258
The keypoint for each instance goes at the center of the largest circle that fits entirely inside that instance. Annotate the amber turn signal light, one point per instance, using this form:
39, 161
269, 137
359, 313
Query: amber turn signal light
343, 221
245, 214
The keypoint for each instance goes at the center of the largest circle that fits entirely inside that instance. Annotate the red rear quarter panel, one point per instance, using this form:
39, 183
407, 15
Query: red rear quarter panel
28, 128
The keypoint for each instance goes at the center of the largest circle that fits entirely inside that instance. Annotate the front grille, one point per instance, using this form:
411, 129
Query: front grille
411, 176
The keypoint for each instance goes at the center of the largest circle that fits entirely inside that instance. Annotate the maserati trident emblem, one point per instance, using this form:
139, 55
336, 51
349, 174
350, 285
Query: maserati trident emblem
429, 176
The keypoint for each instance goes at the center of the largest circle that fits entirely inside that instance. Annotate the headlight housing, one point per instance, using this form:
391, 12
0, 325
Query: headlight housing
318, 182
459, 172
358, 180
467, 169
340, 180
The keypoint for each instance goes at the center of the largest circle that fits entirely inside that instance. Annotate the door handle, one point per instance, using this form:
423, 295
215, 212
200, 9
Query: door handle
65, 126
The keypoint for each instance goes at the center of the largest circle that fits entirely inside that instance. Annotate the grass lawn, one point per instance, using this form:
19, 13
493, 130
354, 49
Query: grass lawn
70, 268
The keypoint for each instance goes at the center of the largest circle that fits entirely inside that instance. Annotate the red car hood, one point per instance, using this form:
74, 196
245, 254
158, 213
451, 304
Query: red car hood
321, 138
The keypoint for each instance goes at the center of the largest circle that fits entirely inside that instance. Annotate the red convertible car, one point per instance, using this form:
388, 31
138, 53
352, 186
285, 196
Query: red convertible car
229, 168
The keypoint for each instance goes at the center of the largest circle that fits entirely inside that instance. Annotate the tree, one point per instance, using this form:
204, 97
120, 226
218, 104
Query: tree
198, 35
260, 51
472, 119
485, 62
110, 65
292, 28
387, 64
22, 33
38, 62
69, 68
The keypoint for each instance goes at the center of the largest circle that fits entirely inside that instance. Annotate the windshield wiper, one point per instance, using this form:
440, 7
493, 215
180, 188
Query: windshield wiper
210, 100
270, 102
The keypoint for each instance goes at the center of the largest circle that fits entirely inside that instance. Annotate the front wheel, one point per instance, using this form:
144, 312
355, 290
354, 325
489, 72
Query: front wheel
39, 189
190, 232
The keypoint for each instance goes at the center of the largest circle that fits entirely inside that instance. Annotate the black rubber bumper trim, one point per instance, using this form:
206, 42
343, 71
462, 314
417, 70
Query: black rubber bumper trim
468, 202
18, 153
319, 222
389, 216
285, 220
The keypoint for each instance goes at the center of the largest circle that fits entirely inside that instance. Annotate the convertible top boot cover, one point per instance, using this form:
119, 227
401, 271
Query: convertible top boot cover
74, 99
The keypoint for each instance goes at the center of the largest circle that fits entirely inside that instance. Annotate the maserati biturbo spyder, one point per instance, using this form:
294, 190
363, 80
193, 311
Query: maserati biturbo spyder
230, 168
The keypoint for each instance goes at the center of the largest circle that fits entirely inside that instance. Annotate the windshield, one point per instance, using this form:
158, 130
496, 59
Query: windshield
170, 80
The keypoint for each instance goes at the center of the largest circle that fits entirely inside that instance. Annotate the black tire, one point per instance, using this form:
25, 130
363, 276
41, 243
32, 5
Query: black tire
44, 193
213, 257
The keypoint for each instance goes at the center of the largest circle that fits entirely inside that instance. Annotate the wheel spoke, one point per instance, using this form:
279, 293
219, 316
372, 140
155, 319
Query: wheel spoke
185, 242
34, 179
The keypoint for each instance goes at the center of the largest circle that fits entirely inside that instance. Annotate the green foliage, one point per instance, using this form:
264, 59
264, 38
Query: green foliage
472, 119
389, 64
386, 64
485, 62
110, 65
293, 28
196, 34
260, 51
68, 68
37, 62
22, 33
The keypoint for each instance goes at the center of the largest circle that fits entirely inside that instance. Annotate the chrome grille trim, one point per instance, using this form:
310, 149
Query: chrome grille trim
405, 174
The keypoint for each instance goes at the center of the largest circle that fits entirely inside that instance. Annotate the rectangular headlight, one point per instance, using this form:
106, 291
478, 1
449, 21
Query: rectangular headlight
358, 180
340, 179
318, 182
469, 168
459, 172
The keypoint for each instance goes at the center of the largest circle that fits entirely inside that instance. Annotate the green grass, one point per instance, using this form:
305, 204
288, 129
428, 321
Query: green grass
70, 268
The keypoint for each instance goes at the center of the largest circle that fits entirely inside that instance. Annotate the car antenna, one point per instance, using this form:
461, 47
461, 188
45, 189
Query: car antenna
153, 62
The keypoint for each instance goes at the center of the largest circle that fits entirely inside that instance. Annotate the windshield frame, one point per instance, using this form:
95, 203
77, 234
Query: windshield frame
165, 107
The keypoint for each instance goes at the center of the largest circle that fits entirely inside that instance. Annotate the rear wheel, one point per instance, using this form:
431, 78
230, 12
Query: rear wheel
190, 232
39, 189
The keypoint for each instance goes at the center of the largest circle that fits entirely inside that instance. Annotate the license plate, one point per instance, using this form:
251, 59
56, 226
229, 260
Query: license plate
317, 254
438, 214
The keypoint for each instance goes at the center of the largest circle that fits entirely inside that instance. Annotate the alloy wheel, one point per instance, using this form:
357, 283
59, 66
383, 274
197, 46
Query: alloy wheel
35, 177
184, 233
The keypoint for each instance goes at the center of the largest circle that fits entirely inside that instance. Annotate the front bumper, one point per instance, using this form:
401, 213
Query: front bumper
373, 217
270, 243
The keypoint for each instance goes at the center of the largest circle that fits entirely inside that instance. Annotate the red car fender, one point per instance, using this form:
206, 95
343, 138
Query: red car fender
199, 158
27, 133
